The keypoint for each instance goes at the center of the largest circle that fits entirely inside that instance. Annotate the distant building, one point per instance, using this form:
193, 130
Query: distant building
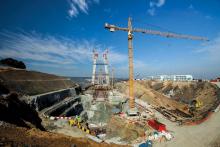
171, 78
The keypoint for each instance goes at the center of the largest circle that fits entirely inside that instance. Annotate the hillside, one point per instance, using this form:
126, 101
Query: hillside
185, 92
176, 97
31, 82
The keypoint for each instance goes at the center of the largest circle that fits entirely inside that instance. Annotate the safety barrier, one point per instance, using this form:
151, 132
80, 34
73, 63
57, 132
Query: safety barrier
73, 122
63, 117
58, 117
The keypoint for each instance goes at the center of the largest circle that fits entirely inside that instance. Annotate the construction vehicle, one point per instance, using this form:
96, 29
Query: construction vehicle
196, 104
112, 28
199, 104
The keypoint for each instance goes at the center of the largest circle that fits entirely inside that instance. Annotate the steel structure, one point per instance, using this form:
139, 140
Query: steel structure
130, 31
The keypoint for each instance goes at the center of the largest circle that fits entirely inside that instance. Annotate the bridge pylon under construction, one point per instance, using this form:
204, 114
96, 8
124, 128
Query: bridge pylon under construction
100, 77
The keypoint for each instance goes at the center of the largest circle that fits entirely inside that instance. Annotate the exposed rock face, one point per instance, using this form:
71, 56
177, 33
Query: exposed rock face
15, 111
13, 63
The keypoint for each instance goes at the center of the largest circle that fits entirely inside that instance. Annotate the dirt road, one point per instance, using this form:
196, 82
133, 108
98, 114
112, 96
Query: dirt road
192, 136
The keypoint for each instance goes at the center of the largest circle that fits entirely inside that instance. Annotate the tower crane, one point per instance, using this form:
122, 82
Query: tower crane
112, 28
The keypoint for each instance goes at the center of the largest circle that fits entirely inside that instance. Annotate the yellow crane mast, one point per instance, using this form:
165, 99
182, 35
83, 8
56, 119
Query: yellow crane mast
130, 30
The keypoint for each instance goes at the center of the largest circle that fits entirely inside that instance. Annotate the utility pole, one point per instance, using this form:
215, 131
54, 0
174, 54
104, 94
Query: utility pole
112, 28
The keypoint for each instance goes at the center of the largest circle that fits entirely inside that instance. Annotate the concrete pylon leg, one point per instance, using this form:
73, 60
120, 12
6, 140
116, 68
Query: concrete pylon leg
95, 57
106, 73
93, 71
105, 58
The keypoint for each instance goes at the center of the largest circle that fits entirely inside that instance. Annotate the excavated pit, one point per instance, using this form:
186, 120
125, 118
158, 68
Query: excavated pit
71, 108
43, 101
64, 102
97, 116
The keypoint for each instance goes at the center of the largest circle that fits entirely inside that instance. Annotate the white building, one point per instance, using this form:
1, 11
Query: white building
171, 77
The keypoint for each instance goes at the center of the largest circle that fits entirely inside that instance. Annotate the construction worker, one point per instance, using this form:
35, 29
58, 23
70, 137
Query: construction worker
78, 118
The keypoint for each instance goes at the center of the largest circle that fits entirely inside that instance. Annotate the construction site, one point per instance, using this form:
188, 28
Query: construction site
40, 109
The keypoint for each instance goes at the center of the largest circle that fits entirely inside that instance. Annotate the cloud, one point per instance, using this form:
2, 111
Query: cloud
206, 65
54, 52
61, 55
77, 6
154, 5
208, 17
160, 3
73, 11
40, 48
192, 9
211, 49
191, 6
195, 11
140, 68
151, 11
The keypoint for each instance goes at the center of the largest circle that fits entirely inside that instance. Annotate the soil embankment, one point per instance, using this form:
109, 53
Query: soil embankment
32, 82
176, 97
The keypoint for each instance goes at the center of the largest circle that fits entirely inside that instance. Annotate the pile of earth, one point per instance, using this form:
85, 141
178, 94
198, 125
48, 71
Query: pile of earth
151, 96
127, 132
15, 111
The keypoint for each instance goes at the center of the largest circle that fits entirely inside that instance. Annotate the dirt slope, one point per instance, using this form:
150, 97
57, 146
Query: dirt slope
16, 136
175, 95
145, 92
127, 131
185, 92
32, 82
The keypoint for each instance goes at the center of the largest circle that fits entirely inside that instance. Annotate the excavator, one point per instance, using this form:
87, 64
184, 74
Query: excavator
195, 105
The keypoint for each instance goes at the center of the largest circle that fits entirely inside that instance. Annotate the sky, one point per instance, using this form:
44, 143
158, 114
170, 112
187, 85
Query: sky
58, 36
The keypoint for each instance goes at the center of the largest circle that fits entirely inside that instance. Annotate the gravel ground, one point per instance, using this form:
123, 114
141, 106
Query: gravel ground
201, 135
